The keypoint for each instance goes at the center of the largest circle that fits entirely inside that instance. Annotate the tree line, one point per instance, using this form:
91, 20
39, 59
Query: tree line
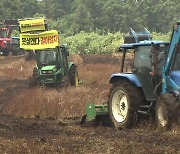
72, 16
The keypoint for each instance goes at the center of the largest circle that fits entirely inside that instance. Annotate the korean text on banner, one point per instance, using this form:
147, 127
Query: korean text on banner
32, 25
44, 40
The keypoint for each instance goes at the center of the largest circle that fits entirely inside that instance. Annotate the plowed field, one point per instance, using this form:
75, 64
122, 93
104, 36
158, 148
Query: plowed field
47, 121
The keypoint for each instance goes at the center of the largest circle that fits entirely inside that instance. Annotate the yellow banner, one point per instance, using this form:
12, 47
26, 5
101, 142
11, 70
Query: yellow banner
32, 25
44, 40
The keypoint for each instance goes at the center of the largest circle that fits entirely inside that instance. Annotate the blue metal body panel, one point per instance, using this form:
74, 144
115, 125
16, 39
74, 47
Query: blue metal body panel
175, 76
171, 79
131, 77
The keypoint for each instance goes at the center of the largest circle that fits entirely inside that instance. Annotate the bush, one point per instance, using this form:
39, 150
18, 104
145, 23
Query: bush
97, 43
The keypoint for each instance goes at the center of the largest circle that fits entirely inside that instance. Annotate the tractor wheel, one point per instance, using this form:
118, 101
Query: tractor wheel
6, 53
32, 82
124, 101
73, 76
167, 107
14, 52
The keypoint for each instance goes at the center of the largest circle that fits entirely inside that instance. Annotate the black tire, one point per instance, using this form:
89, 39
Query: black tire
18, 51
167, 108
102, 120
33, 81
131, 98
14, 52
6, 53
83, 120
29, 55
73, 76
21, 51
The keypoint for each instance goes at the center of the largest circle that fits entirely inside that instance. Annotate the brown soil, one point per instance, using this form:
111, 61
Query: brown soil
20, 135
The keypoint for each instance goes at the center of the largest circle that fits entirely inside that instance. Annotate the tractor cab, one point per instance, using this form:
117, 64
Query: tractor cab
55, 56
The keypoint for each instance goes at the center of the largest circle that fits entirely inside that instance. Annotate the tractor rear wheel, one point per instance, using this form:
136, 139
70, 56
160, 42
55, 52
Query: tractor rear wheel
124, 101
167, 107
73, 76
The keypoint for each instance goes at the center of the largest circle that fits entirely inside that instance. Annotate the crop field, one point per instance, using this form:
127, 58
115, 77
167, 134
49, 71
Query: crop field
35, 120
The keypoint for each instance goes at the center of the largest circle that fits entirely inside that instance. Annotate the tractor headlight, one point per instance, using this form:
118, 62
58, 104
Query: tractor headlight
50, 72
5, 43
44, 72
47, 72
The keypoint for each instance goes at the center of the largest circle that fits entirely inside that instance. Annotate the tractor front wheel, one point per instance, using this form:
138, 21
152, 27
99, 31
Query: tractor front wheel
73, 76
124, 101
6, 53
32, 82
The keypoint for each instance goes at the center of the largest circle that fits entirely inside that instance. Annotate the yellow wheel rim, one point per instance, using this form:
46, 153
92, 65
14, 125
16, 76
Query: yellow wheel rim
76, 79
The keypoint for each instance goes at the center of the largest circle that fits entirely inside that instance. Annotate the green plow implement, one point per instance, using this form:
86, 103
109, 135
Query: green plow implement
95, 115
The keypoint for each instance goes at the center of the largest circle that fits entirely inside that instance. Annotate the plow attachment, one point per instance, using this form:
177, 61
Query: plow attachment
95, 115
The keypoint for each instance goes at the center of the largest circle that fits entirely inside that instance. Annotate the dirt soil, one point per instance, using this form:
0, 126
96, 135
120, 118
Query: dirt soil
20, 135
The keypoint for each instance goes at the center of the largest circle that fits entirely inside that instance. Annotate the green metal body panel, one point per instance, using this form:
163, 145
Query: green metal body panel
93, 110
49, 67
70, 64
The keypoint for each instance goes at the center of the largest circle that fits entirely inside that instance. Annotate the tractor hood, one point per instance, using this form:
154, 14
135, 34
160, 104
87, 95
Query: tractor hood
49, 67
175, 76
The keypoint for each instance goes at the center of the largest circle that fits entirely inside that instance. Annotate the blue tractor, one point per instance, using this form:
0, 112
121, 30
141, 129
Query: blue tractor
150, 87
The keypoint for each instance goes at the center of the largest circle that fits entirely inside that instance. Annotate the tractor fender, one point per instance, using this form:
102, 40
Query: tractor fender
131, 77
70, 64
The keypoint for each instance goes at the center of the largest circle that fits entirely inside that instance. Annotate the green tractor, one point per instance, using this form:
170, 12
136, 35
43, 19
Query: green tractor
152, 87
53, 68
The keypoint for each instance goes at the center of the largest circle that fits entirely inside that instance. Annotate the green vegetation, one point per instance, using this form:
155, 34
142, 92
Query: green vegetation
72, 16
96, 26
101, 43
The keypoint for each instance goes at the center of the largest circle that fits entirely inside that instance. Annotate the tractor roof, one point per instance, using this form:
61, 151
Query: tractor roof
142, 43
